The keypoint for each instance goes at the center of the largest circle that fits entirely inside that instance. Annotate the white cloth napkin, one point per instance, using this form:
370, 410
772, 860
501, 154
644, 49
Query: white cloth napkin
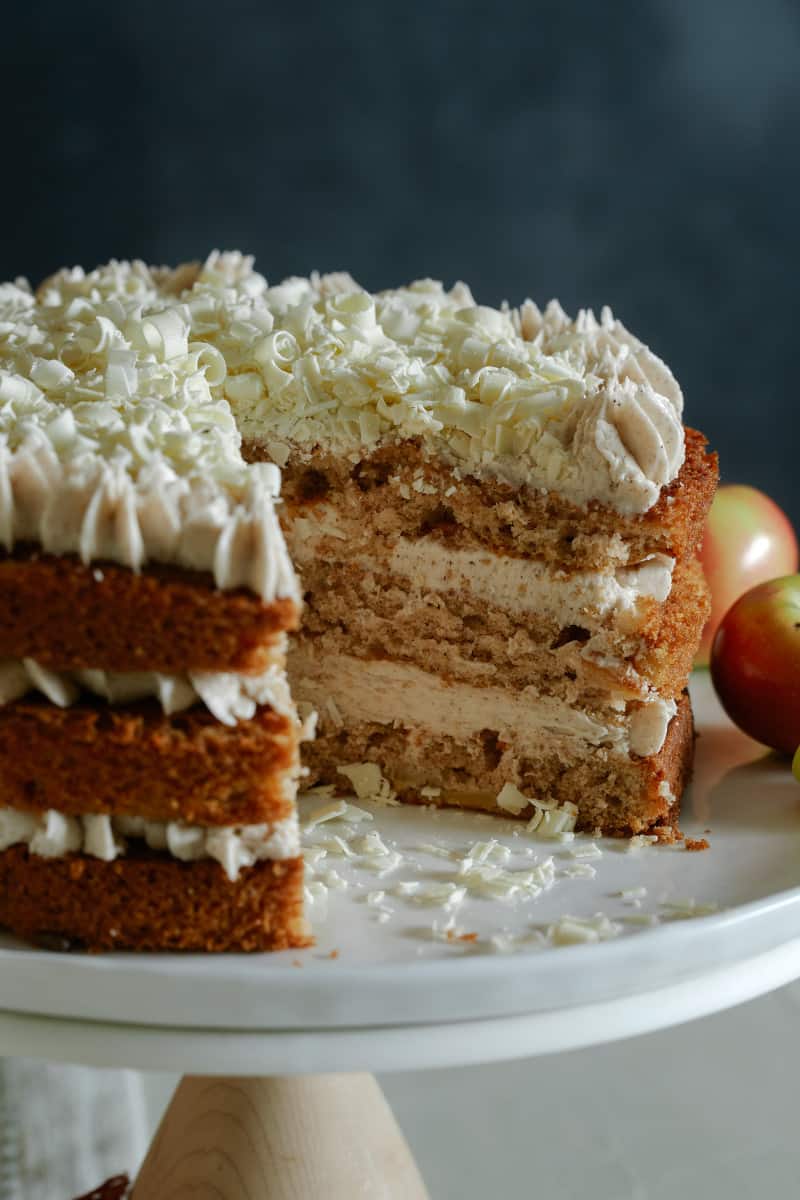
64, 1130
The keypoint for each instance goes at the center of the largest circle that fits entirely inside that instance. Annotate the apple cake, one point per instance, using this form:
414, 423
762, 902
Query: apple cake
494, 514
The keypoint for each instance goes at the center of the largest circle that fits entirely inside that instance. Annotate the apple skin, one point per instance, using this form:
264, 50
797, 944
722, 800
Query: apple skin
755, 663
796, 764
748, 539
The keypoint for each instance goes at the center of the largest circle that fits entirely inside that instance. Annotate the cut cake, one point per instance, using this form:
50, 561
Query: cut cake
495, 515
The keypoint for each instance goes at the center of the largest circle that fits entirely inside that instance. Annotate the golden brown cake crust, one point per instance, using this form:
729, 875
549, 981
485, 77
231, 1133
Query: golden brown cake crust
68, 616
401, 491
455, 635
149, 901
92, 758
673, 635
670, 772
617, 795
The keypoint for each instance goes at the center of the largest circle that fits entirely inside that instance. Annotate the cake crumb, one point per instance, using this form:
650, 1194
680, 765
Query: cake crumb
639, 841
697, 843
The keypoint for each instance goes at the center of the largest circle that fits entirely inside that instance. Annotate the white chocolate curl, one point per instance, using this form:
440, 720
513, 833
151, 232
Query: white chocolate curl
116, 440
579, 407
124, 394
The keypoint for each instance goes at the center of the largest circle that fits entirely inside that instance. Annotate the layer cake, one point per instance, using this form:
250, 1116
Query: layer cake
495, 514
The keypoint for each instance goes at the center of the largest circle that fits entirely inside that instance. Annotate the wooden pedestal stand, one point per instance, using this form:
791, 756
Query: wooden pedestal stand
312, 1137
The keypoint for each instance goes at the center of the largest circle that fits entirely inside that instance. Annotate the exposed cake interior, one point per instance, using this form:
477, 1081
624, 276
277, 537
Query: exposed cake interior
462, 671
495, 516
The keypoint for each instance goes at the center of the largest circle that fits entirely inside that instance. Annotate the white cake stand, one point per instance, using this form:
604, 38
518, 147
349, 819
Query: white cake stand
273, 1104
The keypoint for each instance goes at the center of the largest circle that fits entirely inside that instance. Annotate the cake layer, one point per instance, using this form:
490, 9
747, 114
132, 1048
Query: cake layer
52, 835
526, 587
620, 796
350, 691
228, 697
399, 491
150, 901
69, 616
91, 758
352, 610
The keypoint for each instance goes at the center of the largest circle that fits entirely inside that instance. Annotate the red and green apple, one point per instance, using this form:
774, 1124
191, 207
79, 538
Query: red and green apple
755, 663
748, 540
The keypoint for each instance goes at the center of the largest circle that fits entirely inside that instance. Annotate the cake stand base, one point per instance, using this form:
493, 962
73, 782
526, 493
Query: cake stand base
282, 1138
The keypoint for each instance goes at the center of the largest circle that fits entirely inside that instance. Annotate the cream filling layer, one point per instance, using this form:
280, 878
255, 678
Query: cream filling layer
228, 697
396, 693
94, 508
518, 585
53, 835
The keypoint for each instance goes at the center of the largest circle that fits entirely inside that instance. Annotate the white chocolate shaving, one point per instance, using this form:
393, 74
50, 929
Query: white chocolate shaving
575, 406
116, 439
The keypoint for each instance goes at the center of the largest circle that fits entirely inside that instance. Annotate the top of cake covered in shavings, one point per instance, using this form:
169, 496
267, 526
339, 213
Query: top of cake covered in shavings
108, 363
151, 368
116, 438
579, 407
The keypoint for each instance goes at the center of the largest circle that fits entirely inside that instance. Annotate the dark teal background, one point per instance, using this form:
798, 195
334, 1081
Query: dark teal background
642, 153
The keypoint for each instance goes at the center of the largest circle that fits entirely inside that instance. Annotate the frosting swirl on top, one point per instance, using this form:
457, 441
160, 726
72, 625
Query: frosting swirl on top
116, 440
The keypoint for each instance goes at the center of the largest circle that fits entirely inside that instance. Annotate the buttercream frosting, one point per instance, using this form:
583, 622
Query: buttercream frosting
124, 393
116, 439
378, 690
53, 835
228, 697
519, 585
580, 407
